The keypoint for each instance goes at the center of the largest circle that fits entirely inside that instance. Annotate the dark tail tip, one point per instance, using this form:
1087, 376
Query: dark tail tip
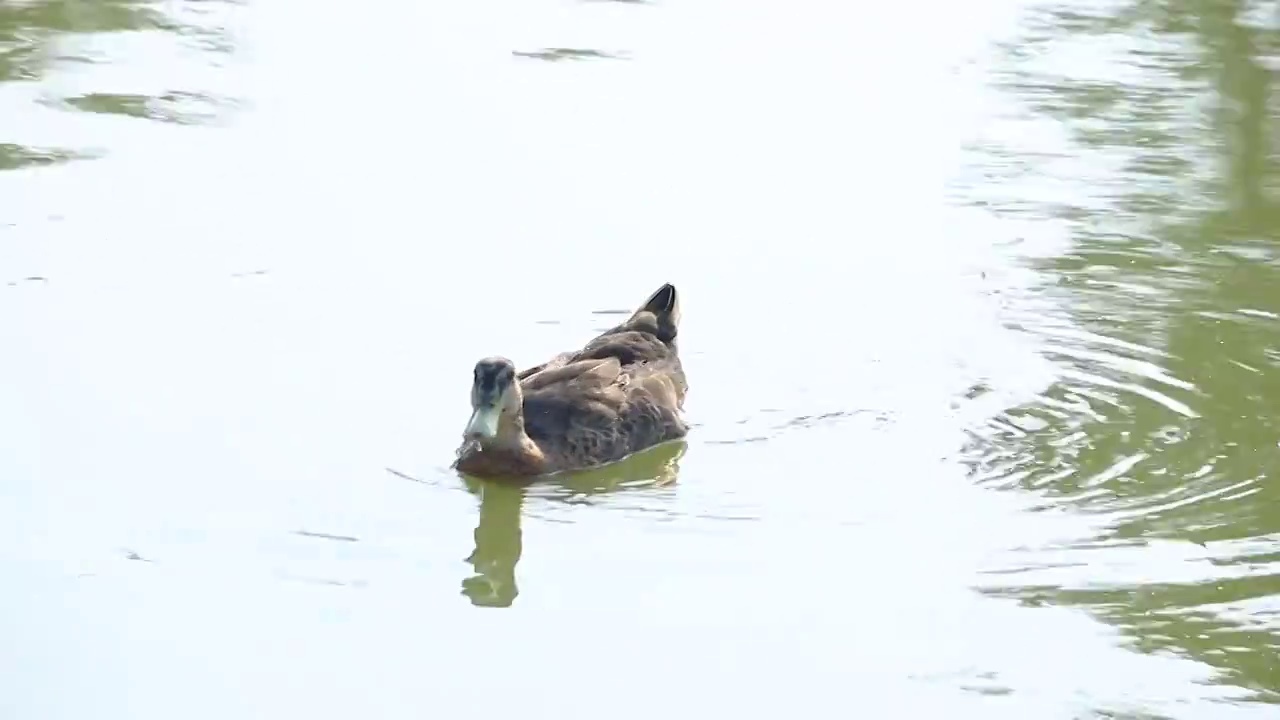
662, 302
663, 307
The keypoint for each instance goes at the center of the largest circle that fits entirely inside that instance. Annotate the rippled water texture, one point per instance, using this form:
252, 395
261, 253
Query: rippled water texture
980, 319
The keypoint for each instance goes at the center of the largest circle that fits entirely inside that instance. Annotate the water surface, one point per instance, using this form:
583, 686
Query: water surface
977, 324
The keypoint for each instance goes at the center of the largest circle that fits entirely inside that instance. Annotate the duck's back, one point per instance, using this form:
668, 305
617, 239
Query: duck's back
641, 354
621, 393
581, 424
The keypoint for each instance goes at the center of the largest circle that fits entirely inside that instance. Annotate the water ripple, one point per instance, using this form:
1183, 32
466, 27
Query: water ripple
1161, 427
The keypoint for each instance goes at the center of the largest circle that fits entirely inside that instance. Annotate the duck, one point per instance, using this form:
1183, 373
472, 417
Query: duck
621, 393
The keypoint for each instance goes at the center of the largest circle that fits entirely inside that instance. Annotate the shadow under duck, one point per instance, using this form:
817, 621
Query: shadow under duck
621, 393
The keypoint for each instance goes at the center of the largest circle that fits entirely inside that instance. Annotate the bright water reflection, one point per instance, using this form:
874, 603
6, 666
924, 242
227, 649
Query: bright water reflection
643, 480
1163, 424
977, 325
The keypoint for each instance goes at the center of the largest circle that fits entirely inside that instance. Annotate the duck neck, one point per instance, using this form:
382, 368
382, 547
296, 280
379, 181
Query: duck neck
511, 452
511, 436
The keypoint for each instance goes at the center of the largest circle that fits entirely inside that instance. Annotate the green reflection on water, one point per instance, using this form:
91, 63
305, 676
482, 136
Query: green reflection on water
13, 156
499, 540
32, 48
1171, 434
183, 108
28, 30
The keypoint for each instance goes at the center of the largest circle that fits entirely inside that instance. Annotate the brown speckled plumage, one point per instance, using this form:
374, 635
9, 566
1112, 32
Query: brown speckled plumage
620, 394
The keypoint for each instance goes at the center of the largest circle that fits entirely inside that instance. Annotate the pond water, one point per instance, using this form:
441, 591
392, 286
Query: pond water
979, 321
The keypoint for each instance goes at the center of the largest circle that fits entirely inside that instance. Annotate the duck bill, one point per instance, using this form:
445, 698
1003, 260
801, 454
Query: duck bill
484, 423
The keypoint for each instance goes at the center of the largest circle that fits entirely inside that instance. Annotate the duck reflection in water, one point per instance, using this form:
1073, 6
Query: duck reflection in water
499, 540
